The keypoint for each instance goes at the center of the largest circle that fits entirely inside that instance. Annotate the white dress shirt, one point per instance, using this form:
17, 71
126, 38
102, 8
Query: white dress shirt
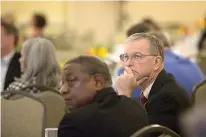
148, 89
5, 61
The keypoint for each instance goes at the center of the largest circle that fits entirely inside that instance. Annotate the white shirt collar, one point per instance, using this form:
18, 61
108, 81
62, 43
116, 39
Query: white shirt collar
8, 57
148, 89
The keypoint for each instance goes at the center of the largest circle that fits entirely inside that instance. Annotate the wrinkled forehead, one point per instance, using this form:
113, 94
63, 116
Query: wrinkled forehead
74, 70
138, 46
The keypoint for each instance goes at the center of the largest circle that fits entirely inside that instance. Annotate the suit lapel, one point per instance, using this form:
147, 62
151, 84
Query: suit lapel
161, 79
12, 66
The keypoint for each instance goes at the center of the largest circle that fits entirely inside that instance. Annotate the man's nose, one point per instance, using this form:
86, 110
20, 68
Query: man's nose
64, 89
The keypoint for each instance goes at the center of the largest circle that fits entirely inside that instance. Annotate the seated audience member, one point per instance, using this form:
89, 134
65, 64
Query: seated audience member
10, 66
162, 97
202, 41
138, 28
9, 18
95, 109
152, 24
194, 122
38, 64
202, 50
186, 73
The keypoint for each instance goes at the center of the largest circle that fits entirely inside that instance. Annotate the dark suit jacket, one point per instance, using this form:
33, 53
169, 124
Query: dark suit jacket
109, 115
166, 101
13, 70
201, 41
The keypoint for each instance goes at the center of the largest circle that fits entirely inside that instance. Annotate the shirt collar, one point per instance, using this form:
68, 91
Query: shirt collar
148, 89
8, 57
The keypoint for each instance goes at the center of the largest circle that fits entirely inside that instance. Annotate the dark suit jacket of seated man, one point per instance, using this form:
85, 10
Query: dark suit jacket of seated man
10, 65
96, 109
161, 95
166, 102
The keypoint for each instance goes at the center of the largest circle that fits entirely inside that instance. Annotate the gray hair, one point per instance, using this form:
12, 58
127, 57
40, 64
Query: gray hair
160, 35
40, 62
156, 45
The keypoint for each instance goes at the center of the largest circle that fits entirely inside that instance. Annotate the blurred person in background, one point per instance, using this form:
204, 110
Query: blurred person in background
96, 110
9, 18
161, 95
10, 66
38, 23
194, 122
38, 65
202, 49
187, 73
138, 28
202, 41
152, 24
189, 45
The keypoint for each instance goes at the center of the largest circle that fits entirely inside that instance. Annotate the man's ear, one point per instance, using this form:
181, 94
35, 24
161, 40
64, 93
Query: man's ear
157, 63
99, 81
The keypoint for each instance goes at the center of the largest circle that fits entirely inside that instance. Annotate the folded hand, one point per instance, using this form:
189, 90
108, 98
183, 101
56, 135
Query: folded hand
127, 82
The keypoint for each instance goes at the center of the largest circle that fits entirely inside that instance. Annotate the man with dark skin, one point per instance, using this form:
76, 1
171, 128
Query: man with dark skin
95, 108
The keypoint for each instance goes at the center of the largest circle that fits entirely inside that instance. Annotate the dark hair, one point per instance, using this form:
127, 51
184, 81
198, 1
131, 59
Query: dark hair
93, 65
11, 29
39, 20
152, 23
138, 28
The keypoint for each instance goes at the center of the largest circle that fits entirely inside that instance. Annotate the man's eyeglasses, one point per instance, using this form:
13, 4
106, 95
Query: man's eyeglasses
135, 57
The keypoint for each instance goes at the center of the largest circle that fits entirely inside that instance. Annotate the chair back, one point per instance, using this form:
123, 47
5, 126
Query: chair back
55, 107
54, 102
22, 117
199, 94
145, 131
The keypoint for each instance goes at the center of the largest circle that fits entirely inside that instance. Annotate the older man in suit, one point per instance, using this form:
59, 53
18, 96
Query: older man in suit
162, 97
186, 72
96, 109
10, 66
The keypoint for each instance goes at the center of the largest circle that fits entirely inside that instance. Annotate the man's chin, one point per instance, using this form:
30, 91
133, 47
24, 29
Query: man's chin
70, 107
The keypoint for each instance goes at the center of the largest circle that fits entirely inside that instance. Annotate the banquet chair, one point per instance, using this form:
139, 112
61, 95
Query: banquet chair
22, 117
146, 131
54, 103
199, 93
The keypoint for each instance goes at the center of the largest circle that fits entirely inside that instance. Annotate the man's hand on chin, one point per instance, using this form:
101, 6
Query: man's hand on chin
127, 82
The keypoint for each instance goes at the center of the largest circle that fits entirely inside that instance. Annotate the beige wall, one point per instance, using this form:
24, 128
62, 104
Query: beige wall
101, 17
185, 12
23, 11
